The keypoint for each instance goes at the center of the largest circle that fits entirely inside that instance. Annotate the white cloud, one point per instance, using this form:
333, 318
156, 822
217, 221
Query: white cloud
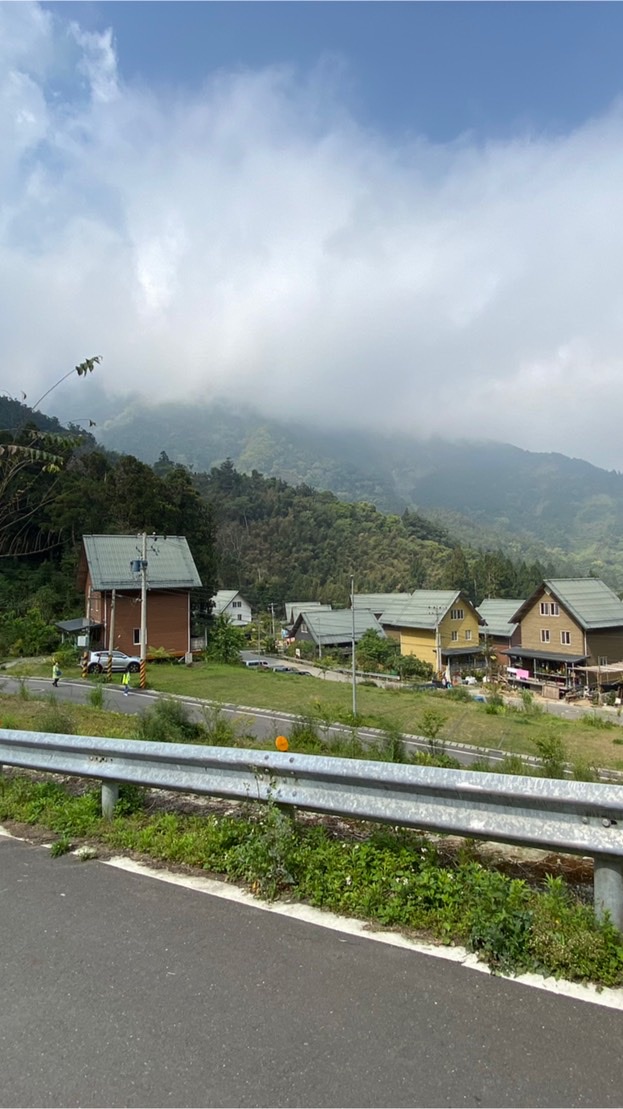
251, 239
98, 62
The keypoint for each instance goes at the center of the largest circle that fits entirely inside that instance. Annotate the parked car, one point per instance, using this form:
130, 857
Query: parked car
256, 663
291, 670
98, 662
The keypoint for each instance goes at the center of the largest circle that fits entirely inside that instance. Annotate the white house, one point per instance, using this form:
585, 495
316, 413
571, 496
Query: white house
231, 603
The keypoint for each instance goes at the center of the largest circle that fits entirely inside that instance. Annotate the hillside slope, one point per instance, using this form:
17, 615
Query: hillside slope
487, 494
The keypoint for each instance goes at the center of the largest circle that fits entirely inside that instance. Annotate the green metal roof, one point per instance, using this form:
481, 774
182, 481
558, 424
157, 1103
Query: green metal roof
590, 602
497, 612
337, 626
170, 564
294, 608
381, 602
424, 608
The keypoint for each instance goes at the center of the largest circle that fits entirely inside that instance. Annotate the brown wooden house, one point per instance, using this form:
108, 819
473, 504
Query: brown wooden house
109, 577
568, 622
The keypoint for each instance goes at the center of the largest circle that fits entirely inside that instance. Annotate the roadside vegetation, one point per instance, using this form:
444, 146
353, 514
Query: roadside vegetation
395, 879
589, 740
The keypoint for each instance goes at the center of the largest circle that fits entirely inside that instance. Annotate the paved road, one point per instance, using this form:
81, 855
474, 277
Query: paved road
119, 990
263, 723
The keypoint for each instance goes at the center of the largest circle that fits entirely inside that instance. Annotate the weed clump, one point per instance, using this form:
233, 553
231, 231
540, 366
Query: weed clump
168, 721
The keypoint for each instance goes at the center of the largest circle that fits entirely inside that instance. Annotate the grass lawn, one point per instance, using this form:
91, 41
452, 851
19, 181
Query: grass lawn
465, 722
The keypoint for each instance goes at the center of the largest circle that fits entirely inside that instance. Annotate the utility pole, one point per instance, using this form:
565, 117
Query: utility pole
352, 607
272, 618
111, 635
144, 611
139, 566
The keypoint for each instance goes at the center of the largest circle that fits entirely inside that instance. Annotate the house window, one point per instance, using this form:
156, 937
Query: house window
602, 660
468, 634
236, 604
136, 637
565, 638
550, 608
457, 613
454, 636
240, 616
544, 635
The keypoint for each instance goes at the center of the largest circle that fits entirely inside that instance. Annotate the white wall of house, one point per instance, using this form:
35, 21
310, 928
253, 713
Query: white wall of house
235, 608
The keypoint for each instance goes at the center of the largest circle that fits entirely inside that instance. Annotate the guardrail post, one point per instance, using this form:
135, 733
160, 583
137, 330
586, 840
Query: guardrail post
110, 796
608, 888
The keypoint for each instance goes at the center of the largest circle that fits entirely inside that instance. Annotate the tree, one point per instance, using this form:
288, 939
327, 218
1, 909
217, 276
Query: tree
226, 641
30, 461
376, 652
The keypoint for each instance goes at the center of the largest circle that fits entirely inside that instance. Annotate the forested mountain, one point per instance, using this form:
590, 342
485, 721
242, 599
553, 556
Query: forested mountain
273, 540
486, 494
279, 542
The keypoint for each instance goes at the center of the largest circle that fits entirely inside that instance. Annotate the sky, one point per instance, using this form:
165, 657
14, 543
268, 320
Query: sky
404, 216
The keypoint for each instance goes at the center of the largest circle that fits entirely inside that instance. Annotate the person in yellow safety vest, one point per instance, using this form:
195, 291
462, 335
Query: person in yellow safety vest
56, 673
125, 681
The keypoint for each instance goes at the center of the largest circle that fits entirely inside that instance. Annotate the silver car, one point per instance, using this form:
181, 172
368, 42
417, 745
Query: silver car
98, 662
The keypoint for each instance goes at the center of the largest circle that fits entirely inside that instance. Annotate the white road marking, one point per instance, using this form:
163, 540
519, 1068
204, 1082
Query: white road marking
606, 997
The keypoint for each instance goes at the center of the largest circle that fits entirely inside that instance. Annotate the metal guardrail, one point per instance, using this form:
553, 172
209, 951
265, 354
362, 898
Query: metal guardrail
581, 818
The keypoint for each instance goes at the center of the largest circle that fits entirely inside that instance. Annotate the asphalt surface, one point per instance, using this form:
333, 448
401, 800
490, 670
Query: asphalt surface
262, 723
118, 990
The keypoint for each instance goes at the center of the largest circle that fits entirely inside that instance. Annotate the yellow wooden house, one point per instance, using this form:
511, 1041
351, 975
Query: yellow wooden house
438, 626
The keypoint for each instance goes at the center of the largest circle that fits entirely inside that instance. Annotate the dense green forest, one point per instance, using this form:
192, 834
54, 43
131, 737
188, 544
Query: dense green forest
272, 540
536, 506
280, 542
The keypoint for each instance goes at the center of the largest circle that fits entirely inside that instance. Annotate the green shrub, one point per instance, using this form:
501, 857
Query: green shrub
514, 764
348, 747
132, 799
494, 704
392, 746
61, 846
500, 918
566, 941
551, 751
529, 705
96, 696
436, 758
56, 720
219, 731
594, 720
168, 721
67, 655
430, 723
582, 771
458, 693
304, 737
